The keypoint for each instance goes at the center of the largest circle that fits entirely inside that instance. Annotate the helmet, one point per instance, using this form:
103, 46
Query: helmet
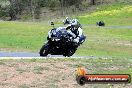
75, 23
67, 17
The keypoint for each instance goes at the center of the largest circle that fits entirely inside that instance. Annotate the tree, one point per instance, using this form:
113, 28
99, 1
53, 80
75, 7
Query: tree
65, 4
14, 9
93, 2
35, 7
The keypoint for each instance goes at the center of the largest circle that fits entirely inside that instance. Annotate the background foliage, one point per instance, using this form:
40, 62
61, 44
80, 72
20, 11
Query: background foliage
35, 9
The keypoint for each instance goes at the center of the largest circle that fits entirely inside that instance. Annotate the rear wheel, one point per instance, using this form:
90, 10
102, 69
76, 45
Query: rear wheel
44, 51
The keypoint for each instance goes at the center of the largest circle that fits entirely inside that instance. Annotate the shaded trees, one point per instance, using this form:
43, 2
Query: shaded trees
65, 4
93, 2
33, 8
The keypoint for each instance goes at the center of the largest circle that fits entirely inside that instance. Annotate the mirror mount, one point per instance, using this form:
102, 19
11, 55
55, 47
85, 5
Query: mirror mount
52, 23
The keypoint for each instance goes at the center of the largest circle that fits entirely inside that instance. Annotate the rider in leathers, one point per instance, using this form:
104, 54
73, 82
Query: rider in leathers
76, 30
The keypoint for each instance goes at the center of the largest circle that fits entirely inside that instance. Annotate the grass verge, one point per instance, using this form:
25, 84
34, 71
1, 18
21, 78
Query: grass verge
101, 41
60, 72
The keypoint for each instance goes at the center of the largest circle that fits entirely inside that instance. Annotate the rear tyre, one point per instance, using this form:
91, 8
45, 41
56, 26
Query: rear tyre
44, 51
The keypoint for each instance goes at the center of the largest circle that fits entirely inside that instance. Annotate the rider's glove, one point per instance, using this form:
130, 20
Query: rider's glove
71, 38
76, 40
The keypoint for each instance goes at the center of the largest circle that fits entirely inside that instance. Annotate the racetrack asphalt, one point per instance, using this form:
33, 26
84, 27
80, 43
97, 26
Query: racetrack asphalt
29, 55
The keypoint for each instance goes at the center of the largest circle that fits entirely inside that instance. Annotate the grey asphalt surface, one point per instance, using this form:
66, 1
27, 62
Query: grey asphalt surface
119, 27
36, 55
113, 27
18, 54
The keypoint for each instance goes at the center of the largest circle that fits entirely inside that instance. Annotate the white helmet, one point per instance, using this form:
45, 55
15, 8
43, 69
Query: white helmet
75, 23
67, 17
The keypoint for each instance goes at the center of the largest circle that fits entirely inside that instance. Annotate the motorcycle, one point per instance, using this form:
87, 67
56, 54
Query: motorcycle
60, 43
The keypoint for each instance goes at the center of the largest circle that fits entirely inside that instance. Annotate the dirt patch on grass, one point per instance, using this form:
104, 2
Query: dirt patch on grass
50, 74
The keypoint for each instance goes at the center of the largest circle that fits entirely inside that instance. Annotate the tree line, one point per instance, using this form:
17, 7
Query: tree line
13, 9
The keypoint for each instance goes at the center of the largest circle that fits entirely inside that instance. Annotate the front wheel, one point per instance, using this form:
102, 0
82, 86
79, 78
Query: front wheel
44, 51
69, 52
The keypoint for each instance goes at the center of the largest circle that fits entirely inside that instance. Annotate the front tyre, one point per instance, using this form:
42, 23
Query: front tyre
44, 51
69, 52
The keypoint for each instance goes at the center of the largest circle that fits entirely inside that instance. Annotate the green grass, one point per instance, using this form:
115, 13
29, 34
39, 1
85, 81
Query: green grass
101, 41
112, 15
20, 70
23, 86
38, 69
106, 41
18, 36
23, 36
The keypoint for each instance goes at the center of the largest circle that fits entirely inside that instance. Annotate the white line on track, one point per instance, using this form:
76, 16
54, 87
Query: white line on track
46, 57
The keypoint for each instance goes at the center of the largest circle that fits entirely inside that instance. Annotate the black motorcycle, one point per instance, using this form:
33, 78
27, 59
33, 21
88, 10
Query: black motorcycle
60, 43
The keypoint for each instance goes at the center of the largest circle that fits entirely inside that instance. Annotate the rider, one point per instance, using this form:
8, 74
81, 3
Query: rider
76, 29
